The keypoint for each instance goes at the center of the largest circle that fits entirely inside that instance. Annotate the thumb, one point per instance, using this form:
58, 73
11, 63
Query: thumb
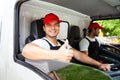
65, 43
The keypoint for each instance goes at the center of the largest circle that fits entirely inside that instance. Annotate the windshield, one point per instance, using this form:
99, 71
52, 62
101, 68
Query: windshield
111, 31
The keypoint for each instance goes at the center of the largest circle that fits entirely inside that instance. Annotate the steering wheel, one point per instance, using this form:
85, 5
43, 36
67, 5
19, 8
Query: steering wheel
115, 64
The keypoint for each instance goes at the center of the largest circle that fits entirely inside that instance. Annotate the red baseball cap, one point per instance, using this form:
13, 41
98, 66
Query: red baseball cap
95, 25
50, 18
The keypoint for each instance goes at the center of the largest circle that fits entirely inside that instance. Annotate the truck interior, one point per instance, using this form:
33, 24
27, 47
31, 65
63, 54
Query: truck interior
75, 15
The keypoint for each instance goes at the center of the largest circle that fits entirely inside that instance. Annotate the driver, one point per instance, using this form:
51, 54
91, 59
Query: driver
90, 44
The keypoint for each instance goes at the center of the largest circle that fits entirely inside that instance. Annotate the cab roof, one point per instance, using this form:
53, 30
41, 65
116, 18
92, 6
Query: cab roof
96, 9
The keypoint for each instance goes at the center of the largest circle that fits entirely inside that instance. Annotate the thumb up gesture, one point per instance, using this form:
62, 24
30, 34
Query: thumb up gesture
64, 54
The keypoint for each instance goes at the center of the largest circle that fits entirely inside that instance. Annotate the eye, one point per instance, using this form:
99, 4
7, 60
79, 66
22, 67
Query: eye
57, 24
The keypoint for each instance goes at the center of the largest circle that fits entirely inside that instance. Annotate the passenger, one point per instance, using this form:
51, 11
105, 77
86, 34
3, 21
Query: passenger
90, 44
48, 48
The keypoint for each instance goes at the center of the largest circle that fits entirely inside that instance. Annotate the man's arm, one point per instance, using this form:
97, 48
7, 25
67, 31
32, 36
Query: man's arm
85, 52
86, 59
34, 52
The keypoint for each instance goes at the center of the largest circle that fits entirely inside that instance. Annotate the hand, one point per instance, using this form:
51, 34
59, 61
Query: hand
104, 67
63, 53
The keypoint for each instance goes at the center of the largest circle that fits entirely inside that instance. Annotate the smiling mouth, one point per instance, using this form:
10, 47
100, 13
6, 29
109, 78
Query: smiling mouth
53, 31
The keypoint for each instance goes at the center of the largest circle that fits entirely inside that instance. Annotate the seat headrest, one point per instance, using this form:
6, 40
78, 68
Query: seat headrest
36, 29
75, 32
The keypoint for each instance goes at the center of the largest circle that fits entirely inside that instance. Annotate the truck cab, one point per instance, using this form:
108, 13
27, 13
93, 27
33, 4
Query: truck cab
16, 25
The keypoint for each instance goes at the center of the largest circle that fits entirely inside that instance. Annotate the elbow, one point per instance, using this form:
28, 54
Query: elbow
26, 52
30, 51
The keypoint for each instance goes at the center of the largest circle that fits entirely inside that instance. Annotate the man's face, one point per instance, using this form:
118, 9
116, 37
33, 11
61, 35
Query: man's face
96, 31
51, 29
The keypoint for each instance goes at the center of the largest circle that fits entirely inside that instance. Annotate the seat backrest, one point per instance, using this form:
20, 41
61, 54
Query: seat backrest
74, 37
36, 30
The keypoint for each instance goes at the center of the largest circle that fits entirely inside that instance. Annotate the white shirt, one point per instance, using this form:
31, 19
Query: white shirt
43, 64
84, 43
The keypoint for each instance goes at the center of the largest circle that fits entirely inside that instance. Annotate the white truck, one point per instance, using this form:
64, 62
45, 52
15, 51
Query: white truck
15, 21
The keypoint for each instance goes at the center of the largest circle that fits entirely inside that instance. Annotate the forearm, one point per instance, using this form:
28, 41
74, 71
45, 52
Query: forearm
34, 52
86, 59
83, 57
